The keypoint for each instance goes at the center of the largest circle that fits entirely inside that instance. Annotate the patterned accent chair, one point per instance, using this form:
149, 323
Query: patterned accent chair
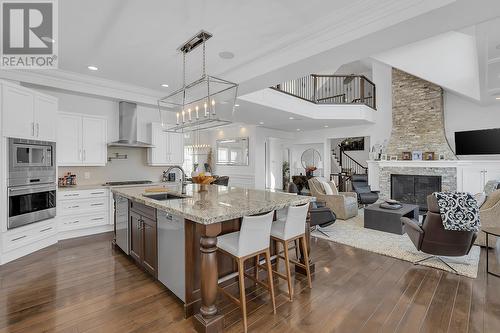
490, 216
343, 204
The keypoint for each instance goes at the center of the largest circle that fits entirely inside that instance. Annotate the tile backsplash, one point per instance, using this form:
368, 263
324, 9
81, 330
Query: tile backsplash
135, 167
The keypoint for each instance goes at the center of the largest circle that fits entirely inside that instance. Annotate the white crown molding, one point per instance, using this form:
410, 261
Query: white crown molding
84, 84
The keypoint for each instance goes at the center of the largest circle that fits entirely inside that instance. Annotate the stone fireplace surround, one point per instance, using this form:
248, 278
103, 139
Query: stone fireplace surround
457, 175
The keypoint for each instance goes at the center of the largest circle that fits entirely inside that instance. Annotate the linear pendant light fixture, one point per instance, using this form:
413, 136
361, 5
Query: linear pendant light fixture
196, 104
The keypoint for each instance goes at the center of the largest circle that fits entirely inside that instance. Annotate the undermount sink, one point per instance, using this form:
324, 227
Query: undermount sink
162, 196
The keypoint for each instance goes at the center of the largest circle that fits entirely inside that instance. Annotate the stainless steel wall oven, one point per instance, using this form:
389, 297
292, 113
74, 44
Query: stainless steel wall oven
32, 182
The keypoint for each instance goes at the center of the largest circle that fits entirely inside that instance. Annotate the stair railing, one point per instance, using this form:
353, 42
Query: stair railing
331, 89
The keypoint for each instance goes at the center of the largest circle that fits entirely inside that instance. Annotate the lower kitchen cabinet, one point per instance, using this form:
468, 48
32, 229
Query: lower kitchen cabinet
83, 212
143, 241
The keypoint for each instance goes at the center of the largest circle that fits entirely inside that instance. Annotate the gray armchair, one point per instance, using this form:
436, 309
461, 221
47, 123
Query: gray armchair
433, 239
343, 204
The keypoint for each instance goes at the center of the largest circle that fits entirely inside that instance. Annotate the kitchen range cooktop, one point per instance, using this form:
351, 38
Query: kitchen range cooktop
128, 182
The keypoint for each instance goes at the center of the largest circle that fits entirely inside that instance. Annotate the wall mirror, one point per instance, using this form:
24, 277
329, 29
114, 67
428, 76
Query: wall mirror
232, 151
310, 158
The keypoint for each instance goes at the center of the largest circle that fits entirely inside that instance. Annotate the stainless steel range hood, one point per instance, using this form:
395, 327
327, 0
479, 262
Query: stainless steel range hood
128, 128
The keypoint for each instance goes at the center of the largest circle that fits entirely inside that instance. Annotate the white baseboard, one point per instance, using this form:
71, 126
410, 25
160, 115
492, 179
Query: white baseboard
85, 232
25, 250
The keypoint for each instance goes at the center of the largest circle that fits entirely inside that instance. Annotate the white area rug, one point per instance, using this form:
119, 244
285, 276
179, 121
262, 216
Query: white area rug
351, 232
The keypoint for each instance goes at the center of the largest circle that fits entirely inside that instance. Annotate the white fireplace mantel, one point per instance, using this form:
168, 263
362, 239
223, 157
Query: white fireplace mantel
472, 175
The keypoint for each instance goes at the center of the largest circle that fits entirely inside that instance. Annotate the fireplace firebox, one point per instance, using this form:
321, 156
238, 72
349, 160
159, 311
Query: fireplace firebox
414, 189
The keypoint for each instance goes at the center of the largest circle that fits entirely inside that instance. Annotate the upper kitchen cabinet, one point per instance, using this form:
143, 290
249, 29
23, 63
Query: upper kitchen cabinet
28, 114
169, 147
81, 140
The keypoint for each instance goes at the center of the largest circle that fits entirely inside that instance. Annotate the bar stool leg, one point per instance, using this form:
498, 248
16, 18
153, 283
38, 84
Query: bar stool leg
288, 274
270, 278
277, 249
302, 241
256, 270
243, 301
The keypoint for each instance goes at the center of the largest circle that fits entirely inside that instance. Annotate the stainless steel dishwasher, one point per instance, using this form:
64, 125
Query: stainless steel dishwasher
121, 223
171, 253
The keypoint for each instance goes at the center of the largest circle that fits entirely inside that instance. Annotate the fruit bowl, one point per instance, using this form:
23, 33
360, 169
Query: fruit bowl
205, 180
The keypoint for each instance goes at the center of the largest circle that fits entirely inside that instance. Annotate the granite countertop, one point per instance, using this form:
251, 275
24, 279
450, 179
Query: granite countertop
99, 186
216, 203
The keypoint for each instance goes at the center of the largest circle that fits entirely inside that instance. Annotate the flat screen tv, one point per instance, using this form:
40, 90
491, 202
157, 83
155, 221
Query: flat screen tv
480, 142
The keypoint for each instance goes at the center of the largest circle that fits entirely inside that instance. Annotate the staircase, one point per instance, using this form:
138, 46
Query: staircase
346, 167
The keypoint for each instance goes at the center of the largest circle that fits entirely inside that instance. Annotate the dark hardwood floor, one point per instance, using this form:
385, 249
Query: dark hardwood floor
84, 285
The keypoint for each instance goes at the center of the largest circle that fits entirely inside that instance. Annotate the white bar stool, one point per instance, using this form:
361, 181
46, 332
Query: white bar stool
288, 229
251, 241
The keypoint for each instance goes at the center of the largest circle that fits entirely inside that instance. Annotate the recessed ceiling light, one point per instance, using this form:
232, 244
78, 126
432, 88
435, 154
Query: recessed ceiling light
291, 118
92, 68
326, 126
497, 97
164, 85
262, 123
236, 105
226, 55
298, 129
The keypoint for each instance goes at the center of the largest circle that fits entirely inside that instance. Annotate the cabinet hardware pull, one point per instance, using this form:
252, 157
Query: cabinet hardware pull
95, 193
74, 206
18, 238
46, 229
97, 204
37, 130
84, 155
32, 129
98, 219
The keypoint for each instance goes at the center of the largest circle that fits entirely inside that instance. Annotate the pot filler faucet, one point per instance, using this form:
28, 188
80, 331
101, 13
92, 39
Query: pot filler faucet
183, 182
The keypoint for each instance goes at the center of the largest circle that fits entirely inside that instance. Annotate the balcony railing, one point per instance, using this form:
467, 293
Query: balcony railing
331, 89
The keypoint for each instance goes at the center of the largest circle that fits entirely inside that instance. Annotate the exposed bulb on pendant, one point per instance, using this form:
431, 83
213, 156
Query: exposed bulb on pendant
213, 106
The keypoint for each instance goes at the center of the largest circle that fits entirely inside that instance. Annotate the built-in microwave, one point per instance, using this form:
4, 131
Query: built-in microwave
31, 162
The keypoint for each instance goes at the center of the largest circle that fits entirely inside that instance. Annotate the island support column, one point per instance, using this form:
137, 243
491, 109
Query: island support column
209, 320
312, 266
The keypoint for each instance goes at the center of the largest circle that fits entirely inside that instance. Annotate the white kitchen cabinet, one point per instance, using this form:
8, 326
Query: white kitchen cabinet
175, 142
68, 139
94, 145
474, 178
81, 140
45, 116
169, 147
83, 209
28, 114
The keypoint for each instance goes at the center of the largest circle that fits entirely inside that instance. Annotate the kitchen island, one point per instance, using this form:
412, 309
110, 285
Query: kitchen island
193, 221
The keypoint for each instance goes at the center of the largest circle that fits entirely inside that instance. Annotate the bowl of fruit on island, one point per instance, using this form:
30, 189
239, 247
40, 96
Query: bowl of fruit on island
203, 178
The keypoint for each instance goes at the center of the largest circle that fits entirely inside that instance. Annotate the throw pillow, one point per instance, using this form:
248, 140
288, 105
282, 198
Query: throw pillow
491, 186
480, 198
326, 187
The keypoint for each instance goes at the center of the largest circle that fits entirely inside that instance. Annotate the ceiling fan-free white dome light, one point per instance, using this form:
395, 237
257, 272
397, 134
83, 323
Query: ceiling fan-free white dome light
196, 104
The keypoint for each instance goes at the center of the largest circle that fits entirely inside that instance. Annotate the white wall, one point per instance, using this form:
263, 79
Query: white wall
296, 151
460, 114
254, 174
378, 132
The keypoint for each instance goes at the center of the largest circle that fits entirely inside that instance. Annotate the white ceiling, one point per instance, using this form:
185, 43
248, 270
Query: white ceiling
135, 41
